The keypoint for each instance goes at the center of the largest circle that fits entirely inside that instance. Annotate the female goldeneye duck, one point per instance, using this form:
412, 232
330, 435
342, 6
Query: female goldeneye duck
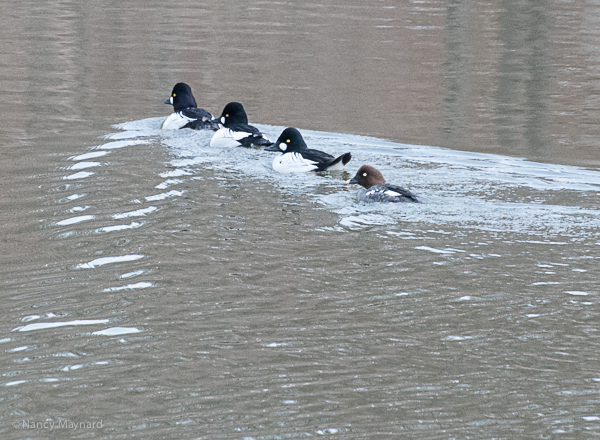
298, 158
235, 131
186, 112
376, 190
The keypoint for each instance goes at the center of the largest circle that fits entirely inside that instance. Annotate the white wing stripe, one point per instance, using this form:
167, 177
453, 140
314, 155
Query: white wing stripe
293, 163
176, 121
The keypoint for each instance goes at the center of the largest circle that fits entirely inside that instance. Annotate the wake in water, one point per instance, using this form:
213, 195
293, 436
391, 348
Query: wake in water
469, 190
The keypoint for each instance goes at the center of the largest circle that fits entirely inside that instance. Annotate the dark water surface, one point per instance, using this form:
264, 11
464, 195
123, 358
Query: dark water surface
153, 287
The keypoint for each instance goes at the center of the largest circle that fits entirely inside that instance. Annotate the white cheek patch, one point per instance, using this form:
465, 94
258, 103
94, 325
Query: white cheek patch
223, 120
282, 146
171, 100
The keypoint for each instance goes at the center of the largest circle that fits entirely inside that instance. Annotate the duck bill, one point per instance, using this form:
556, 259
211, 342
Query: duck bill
273, 147
168, 101
353, 180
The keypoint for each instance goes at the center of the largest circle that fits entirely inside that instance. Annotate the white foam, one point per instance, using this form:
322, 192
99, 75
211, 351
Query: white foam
167, 183
167, 195
85, 164
140, 285
48, 325
79, 175
436, 251
74, 220
132, 225
136, 213
116, 331
175, 173
108, 260
132, 274
456, 338
90, 155
14, 382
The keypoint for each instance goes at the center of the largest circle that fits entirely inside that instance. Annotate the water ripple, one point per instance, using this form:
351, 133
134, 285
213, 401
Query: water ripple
80, 175
108, 260
116, 331
47, 325
74, 220
137, 213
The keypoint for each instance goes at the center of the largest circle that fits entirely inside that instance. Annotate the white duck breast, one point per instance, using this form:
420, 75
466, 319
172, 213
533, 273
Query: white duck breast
293, 163
176, 121
225, 137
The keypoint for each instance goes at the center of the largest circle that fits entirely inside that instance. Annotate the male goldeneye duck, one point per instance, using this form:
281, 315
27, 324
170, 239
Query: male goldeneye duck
235, 131
298, 158
186, 112
376, 190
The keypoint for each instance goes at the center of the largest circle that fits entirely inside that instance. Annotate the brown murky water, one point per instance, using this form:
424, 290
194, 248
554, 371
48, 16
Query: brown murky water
153, 287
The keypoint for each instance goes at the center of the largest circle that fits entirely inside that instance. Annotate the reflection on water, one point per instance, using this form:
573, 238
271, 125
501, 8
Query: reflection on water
512, 77
162, 289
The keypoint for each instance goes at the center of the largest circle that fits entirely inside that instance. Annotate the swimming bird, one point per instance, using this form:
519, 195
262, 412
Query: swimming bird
376, 190
235, 130
186, 112
298, 158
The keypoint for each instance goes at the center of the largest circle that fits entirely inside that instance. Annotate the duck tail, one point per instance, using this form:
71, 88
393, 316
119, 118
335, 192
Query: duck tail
264, 142
344, 158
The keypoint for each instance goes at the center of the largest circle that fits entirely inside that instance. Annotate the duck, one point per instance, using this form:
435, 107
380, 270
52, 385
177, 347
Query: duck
298, 158
375, 189
235, 130
186, 113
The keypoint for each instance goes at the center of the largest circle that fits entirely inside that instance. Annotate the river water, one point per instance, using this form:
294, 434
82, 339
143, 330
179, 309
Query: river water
153, 287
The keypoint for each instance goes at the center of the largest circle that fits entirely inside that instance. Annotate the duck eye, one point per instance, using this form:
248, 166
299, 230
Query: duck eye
288, 141
174, 95
364, 174
226, 116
